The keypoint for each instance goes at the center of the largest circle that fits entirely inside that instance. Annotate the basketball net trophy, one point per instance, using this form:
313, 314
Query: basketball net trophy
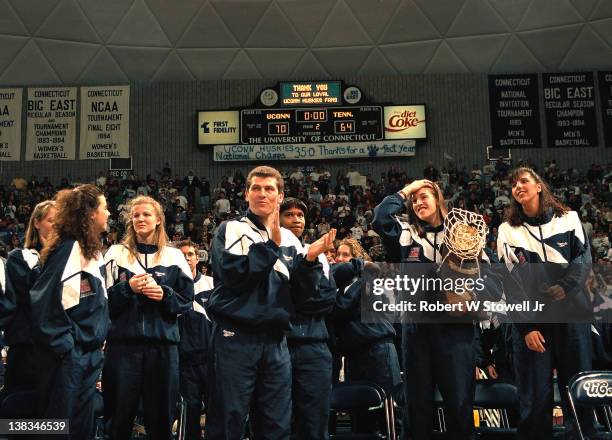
464, 237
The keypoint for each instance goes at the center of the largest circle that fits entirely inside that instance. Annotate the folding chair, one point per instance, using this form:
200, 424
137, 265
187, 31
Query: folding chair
590, 389
496, 395
438, 403
366, 396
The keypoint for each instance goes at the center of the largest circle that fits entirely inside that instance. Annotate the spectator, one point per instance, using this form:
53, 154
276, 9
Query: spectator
209, 223
356, 232
430, 173
587, 226
353, 177
502, 200
315, 196
191, 183
205, 194
222, 206
343, 209
323, 227
193, 234
15, 242
296, 175
101, 179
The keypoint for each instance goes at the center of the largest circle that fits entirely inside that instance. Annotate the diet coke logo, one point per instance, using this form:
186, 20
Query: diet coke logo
598, 388
403, 121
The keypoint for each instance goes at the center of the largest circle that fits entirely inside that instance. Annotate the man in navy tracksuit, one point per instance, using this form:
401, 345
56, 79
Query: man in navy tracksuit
311, 360
259, 273
195, 328
440, 353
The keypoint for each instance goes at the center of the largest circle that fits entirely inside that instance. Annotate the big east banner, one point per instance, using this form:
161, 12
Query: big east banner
405, 122
51, 123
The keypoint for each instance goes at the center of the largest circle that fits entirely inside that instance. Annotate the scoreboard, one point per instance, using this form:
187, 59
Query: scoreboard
321, 117
311, 125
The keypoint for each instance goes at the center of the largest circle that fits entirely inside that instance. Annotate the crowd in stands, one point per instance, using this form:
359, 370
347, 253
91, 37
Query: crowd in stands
194, 206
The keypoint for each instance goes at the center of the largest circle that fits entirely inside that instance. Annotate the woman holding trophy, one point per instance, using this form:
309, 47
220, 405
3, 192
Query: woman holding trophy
440, 352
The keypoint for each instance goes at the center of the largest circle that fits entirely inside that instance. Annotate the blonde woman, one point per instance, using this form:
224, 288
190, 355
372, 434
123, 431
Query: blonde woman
22, 270
151, 285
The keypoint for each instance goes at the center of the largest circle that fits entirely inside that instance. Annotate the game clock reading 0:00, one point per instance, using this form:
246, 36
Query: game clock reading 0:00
306, 125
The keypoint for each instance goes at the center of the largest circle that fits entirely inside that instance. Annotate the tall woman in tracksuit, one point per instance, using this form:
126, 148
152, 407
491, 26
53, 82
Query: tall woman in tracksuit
548, 259
22, 270
70, 310
441, 352
152, 284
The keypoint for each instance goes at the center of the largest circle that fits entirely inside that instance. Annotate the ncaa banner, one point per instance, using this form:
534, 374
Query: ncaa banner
105, 122
10, 124
405, 122
51, 123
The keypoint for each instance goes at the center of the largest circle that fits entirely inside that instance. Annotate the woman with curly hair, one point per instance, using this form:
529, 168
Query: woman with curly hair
151, 286
22, 270
69, 310
368, 348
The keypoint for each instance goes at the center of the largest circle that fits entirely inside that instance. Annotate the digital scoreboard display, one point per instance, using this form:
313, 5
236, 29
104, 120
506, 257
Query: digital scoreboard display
311, 125
295, 94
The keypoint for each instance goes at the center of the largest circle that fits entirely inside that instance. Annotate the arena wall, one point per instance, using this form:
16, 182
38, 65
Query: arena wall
162, 128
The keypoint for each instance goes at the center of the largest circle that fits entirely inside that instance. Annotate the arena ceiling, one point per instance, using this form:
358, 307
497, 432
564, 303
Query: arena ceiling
145, 41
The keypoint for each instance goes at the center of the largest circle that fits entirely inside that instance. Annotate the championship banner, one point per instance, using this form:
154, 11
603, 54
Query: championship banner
51, 123
10, 124
605, 90
569, 107
514, 111
240, 152
105, 122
